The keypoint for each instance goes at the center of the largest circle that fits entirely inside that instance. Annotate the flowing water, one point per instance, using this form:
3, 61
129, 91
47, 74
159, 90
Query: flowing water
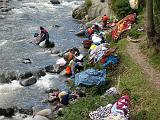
17, 30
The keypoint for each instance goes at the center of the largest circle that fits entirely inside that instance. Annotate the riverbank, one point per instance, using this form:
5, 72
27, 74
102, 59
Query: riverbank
130, 76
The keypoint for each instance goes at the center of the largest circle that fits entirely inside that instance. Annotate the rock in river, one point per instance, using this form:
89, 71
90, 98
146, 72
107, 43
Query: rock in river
28, 81
54, 1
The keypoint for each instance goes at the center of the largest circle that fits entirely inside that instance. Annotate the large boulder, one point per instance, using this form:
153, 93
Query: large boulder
100, 8
29, 81
54, 1
80, 12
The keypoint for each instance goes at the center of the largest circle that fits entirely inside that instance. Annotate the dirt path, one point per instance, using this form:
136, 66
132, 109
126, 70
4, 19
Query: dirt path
142, 60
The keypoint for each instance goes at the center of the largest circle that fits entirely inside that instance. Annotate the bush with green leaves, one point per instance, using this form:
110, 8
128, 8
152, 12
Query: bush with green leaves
134, 33
121, 8
88, 3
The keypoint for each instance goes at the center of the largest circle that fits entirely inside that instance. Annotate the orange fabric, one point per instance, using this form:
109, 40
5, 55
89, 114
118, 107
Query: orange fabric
68, 70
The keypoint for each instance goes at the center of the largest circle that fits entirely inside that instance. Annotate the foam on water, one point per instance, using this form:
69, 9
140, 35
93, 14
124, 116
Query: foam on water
3, 43
13, 86
46, 81
73, 4
17, 116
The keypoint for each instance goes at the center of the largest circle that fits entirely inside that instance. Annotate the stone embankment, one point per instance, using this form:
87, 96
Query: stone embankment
96, 10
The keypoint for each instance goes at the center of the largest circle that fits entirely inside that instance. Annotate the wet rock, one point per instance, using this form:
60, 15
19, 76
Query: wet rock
3, 80
25, 111
49, 68
26, 61
41, 73
25, 75
8, 112
45, 112
56, 26
11, 75
54, 1
80, 12
54, 68
55, 51
5, 9
27, 82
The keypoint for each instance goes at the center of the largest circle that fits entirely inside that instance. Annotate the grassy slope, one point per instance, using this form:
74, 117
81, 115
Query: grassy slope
145, 100
154, 58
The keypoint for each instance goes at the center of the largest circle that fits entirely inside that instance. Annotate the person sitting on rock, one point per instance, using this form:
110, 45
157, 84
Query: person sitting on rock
105, 19
44, 35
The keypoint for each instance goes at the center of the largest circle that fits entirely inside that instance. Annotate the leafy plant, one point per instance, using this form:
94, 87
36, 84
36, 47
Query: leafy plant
88, 3
134, 33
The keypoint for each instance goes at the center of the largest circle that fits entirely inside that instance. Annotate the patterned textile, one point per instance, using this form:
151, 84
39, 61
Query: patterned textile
123, 25
100, 113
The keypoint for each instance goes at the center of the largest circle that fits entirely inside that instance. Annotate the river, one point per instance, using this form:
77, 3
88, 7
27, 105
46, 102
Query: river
17, 30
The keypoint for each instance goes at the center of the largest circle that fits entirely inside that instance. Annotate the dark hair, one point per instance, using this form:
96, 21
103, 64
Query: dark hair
36, 34
41, 28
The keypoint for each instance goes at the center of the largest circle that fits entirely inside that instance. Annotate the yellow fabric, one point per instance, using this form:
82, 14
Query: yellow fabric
62, 94
92, 47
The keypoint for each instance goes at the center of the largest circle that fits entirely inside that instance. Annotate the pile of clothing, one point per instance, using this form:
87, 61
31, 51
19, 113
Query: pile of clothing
118, 111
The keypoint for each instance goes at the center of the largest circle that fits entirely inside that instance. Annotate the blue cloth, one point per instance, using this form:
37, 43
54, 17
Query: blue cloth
90, 77
111, 60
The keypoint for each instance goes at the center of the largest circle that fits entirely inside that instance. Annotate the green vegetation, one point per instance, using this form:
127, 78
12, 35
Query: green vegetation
80, 110
88, 3
145, 105
145, 101
121, 8
134, 33
154, 58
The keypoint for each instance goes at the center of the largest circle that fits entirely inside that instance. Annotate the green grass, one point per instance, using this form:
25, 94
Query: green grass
81, 109
145, 100
145, 104
154, 58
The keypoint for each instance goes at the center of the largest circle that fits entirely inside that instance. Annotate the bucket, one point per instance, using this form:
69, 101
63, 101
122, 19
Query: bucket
87, 43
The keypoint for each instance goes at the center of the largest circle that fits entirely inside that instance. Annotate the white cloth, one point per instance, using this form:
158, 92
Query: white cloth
79, 57
61, 62
96, 39
42, 44
112, 91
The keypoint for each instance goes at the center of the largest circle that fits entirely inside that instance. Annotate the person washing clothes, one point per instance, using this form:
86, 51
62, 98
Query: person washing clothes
105, 18
44, 35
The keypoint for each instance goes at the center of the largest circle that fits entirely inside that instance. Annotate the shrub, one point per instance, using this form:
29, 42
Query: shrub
88, 3
121, 8
134, 33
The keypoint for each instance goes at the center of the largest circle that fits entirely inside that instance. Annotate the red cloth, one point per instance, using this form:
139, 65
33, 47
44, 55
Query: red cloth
123, 103
44, 31
123, 25
90, 31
